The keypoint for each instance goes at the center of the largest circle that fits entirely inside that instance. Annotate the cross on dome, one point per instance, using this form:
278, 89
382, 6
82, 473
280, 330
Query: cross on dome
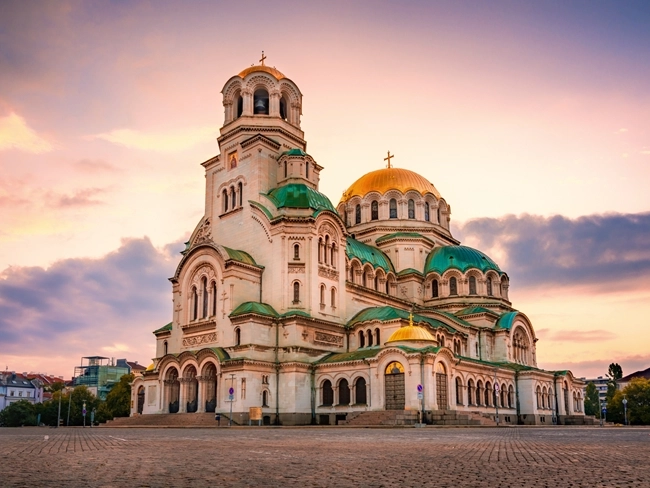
388, 158
263, 58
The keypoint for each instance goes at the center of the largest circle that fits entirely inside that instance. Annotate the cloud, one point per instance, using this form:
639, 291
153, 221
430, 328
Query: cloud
16, 134
595, 250
598, 367
646, 152
597, 335
81, 198
94, 166
160, 141
86, 307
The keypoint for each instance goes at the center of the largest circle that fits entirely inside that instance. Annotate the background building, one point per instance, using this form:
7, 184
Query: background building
99, 374
16, 386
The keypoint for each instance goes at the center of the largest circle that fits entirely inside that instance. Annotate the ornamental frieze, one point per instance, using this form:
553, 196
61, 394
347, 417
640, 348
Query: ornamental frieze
331, 339
328, 273
200, 339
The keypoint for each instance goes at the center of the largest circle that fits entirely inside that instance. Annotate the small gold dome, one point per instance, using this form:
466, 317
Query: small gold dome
386, 179
266, 69
151, 367
411, 333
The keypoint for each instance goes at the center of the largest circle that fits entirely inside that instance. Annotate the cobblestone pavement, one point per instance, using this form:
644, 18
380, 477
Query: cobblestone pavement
320, 457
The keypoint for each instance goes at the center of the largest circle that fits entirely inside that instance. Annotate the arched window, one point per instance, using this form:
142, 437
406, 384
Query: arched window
333, 255
374, 210
240, 192
364, 279
438, 215
387, 287
237, 336
214, 298
472, 285
265, 398
510, 396
285, 169
240, 106
296, 252
376, 282
502, 395
489, 286
165, 348
377, 337
453, 286
434, 289
328, 393
459, 391
225, 200
360, 392
307, 170
195, 303
369, 335
261, 102
470, 392
362, 339
283, 108
392, 208
296, 293
427, 215
357, 214
344, 392
479, 393
411, 206
333, 298
322, 295
488, 394
204, 283
320, 250
538, 396
326, 249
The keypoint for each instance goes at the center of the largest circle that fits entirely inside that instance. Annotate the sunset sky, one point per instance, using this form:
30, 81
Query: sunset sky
532, 119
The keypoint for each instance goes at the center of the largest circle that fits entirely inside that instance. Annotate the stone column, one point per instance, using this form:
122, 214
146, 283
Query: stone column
182, 397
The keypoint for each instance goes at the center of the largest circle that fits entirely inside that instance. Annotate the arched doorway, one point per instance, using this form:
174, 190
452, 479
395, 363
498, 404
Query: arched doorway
140, 399
210, 378
442, 397
173, 388
192, 389
394, 386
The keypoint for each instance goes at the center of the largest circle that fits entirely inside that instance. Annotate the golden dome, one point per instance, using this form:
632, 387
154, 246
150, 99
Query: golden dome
411, 333
387, 179
151, 367
266, 69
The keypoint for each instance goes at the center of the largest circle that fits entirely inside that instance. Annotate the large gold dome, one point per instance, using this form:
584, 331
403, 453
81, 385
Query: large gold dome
411, 333
387, 179
266, 69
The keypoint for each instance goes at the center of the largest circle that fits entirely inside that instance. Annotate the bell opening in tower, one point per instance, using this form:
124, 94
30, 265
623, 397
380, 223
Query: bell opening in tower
240, 106
261, 102
283, 108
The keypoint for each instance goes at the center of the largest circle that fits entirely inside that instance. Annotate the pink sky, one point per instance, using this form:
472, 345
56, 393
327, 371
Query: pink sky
514, 108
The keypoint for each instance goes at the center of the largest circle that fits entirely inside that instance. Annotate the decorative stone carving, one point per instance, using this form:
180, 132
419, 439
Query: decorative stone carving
204, 233
200, 339
328, 273
330, 339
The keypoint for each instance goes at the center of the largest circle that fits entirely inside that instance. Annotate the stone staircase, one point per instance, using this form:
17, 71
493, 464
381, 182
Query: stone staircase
169, 420
453, 417
381, 417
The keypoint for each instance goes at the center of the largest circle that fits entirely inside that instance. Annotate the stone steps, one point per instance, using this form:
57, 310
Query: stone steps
168, 420
381, 417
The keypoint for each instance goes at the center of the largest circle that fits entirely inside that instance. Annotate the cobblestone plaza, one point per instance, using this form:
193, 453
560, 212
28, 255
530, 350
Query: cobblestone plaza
314, 457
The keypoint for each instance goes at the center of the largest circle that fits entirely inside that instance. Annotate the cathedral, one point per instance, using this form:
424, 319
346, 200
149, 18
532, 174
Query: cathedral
306, 312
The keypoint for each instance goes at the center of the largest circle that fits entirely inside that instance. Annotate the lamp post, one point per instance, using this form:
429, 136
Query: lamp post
58, 417
625, 408
231, 396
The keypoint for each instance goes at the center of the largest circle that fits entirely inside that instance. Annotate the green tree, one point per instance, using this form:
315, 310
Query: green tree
18, 414
592, 402
118, 399
78, 396
56, 386
614, 374
637, 393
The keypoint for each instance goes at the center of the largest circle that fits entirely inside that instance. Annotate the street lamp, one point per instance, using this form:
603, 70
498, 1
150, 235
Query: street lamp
625, 408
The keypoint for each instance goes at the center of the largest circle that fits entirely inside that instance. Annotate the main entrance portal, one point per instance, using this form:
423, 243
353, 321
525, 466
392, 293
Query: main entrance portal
394, 386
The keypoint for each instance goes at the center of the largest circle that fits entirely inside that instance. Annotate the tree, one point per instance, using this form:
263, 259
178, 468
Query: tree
80, 395
614, 374
56, 386
18, 414
592, 402
637, 393
118, 399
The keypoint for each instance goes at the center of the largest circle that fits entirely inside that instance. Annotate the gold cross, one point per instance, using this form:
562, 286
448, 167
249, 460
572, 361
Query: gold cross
411, 318
263, 58
388, 158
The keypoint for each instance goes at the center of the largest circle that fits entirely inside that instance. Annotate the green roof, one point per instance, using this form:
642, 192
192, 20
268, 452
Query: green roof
474, 309
294, 152
461, 258
220, 352
406, 235
164, 328
506, 320
298, 195
256, 308
266, 211
408, 271
367, 352
302, 313
385, 314
368, 254
241, 256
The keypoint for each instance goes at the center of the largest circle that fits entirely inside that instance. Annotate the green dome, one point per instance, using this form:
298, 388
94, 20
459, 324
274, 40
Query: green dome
298, 195
461, 258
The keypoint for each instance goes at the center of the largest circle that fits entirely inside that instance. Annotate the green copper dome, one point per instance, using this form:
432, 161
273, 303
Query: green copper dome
298, 195
461, 258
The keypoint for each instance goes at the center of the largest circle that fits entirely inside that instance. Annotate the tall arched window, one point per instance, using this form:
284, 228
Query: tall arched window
374, 210
488, 396
165, 348
285, 169
392, 208
344, 392
265, 398
328, 393
489, 286
214, 298
360, 392
225, 200
296, 293
453, 286
459, 391
307, 169
438, 215
204, 283
387, 287
333, 297
296, 252
326, 249
472, 285
362, 339
322, 295
333, 255
376, 282
369, 336
240, 188
470, 392
510, 396
377, 337
427, 215
538, 396
434, 289
320, 250
237, 336
479, 392
261, 102
411, 206
357, 214
195, 303
283, 108
240, 106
